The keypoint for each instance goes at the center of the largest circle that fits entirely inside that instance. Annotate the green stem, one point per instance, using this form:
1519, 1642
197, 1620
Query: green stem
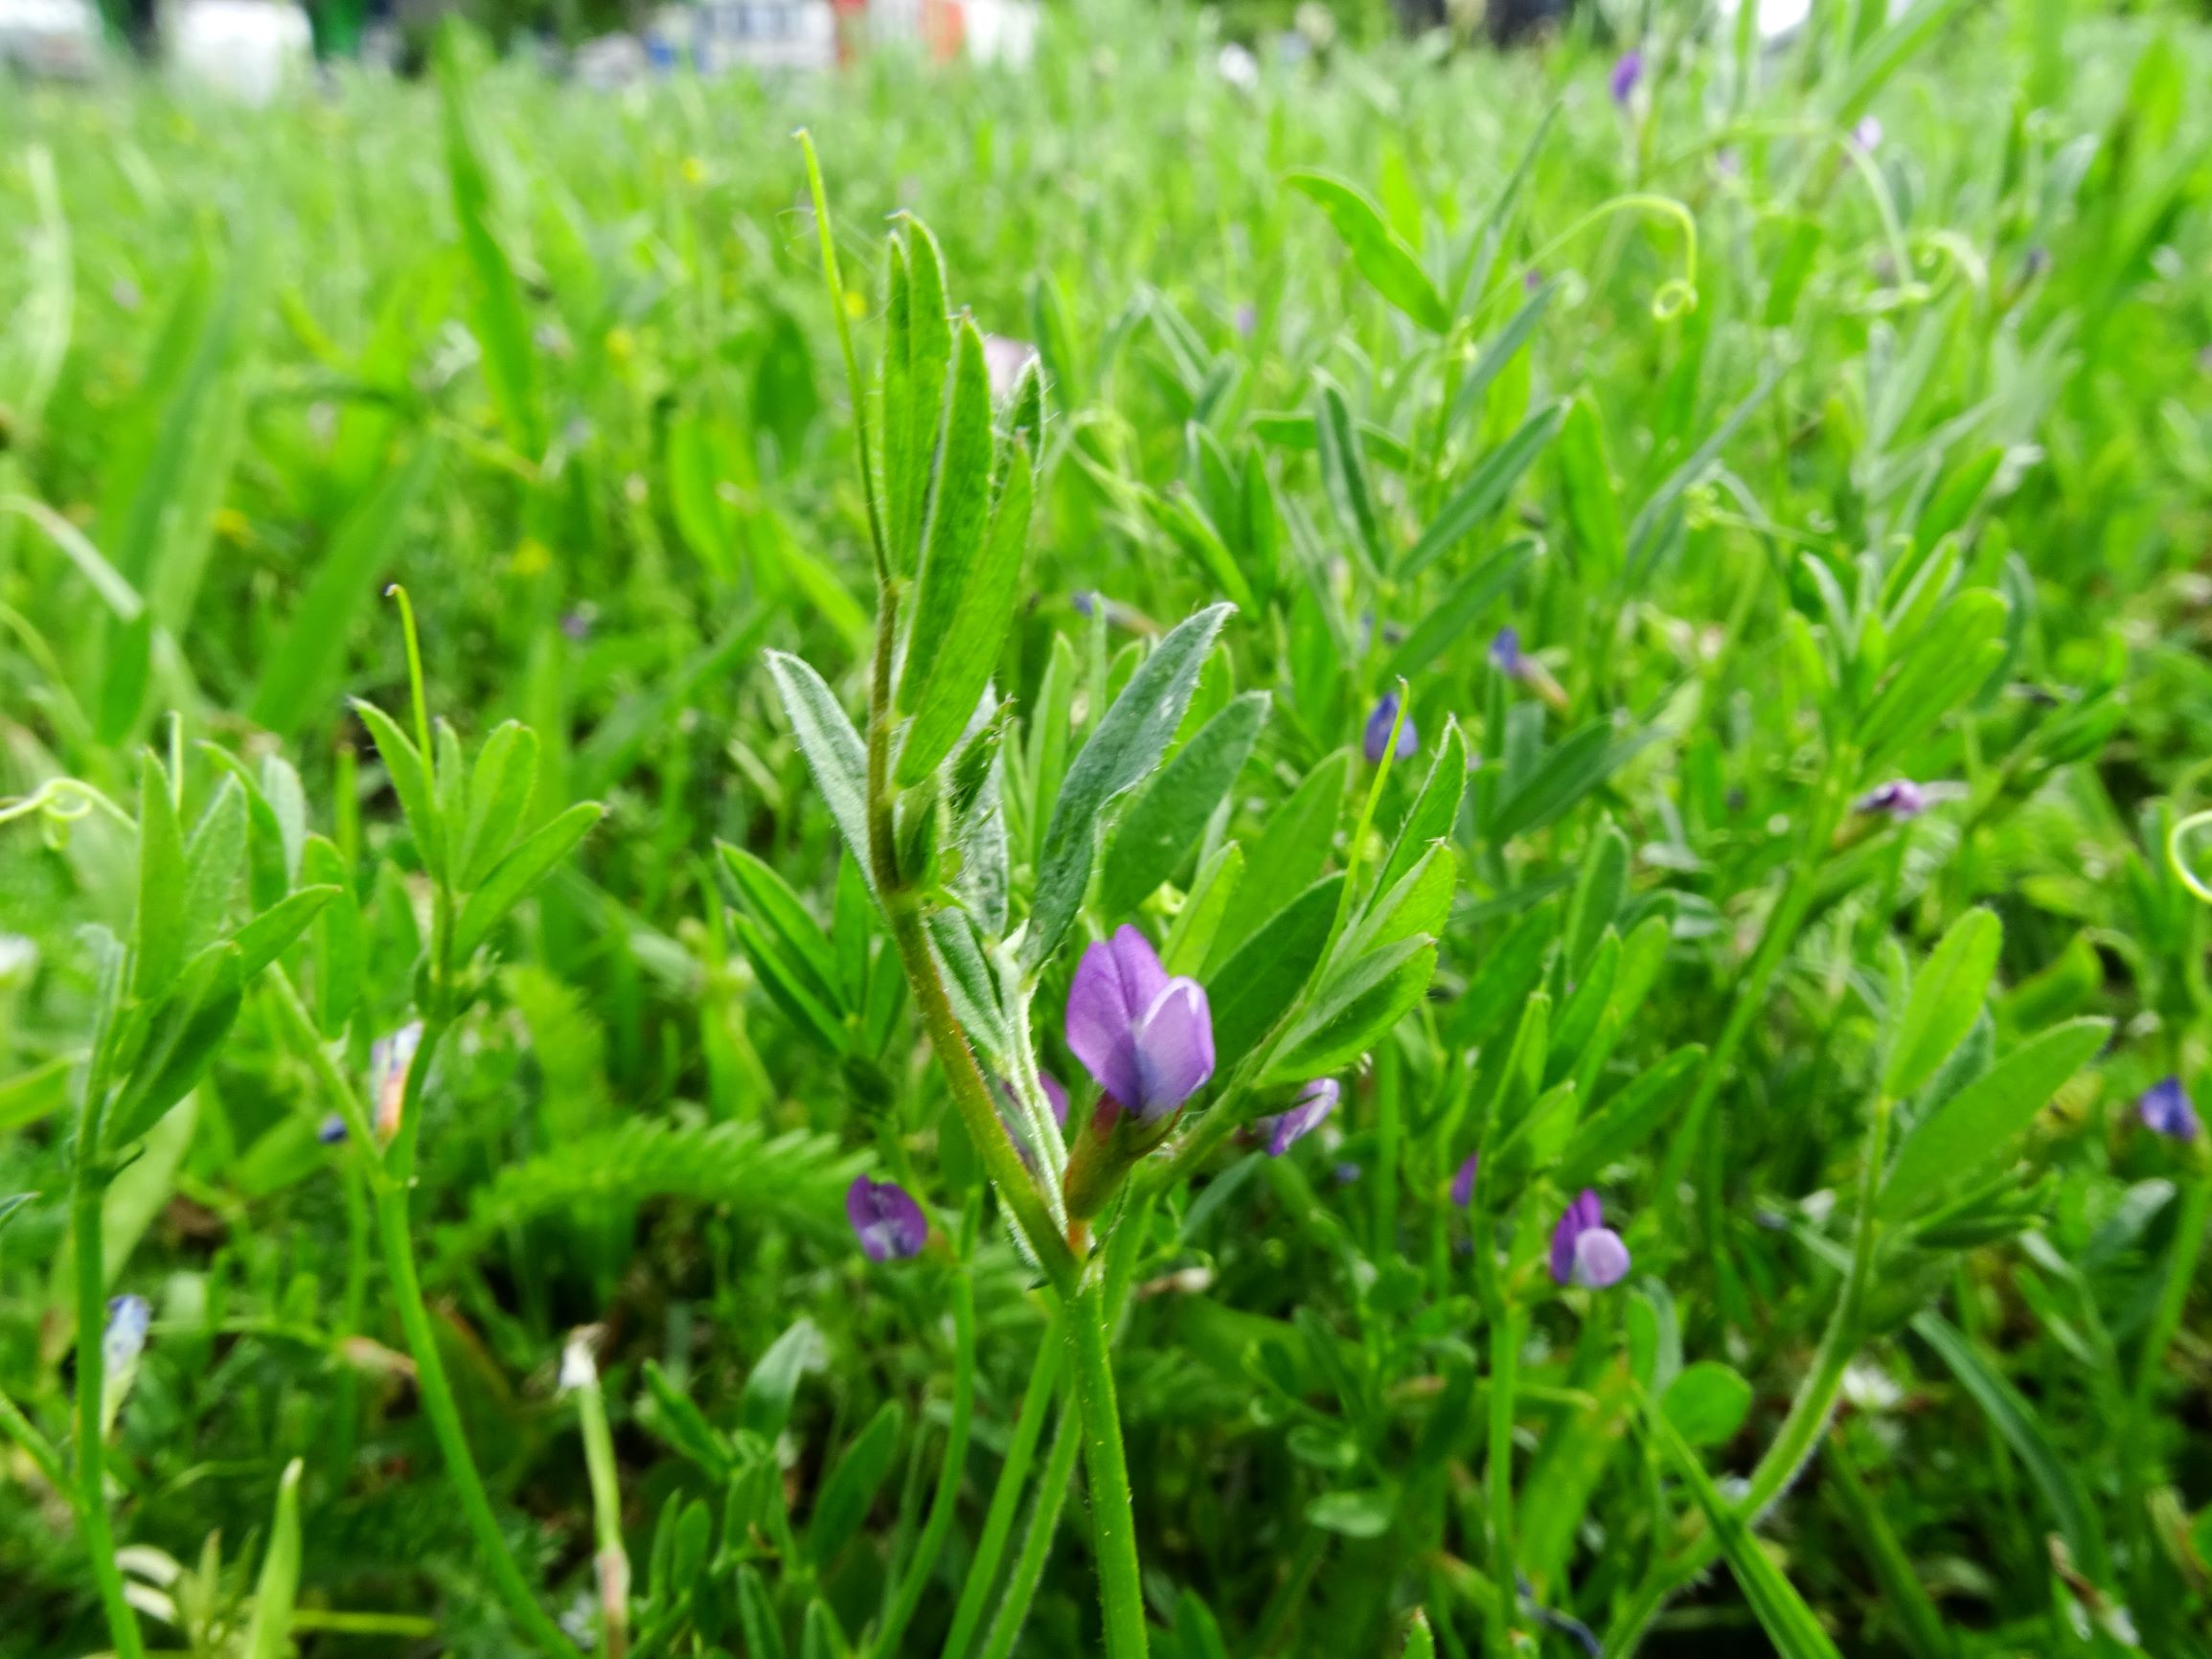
947, 1498
1781, 931
1036, 1543
1504, 1366
87, 1191
430, 1381
613, 1560
1810, 1410
1006, 1497
1113, 1520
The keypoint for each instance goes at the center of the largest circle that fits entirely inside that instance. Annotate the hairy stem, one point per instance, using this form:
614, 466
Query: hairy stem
1113, 1520
1036, 1543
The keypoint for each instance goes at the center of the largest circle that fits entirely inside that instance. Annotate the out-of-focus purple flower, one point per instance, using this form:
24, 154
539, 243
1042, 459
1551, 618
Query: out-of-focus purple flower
1508, 658
889, 1223
129, 1319
576, 624
332, 1131
1346, 1172
1148, 1039
1867, 134
1315, 1103
1901, 799
1463, 1183
1248, 319
1628, 74
1004, 360
1584, 1250
2165, 1108
1378, 735
1531, 279
1016, 1119
390, 1059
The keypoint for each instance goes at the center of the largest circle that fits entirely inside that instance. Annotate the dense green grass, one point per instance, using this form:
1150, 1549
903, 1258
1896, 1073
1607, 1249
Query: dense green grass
1899, 466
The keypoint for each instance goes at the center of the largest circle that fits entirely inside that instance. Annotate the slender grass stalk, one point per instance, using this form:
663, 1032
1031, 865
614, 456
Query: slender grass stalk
948, 1496
1505, 1328
1006, 1496
1037, 1542
613, 1560
86, 1209
1113, 1520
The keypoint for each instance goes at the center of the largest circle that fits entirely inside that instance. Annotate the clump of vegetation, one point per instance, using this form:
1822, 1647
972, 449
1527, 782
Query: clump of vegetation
1387, 854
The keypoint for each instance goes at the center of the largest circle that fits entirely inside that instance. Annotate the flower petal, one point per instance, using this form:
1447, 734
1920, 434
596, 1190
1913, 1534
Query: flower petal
1578, 1218
885, 1217
1315, 1103
2165, 1108
1463, 1183
1116, 981
1174, 1048
1055, 1097
1600, 1259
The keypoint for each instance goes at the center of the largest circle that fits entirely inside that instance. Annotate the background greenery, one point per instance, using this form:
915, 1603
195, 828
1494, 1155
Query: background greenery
561, 364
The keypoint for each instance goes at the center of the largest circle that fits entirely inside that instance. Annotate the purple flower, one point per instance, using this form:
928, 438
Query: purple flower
2165, 1108
1463, 1183
1379, 725
123, 1340
1508, 658
1248, 319
1346, 1172
1531, 279
1584, 1250
1148, 1039
332, 1131
889, 1222
1901, 798
1315, 1103
1867, 134
1628, 73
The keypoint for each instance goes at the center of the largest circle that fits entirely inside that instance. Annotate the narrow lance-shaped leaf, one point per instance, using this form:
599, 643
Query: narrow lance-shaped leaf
1479, 498
1977, 1124
157, 937
1391, 267
1126, 746
1344, 473
1166, 820
183, 1034
1946, 997
959, 512
521, 870
832, 748
403, 765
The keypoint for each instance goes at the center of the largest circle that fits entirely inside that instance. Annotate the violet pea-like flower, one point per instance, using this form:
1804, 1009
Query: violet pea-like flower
1146, 1037
1584, 1250
1628, 73
1900, 799
1508, 658
1315, 1103
889, 1224
1463, 1182
1377, 736
2165, 1109
128, 1320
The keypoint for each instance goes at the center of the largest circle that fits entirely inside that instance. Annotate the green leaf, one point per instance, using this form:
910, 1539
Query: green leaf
498, 317
270, 934
499, 790
757, 1616
339, 947
1569, 770
1125, 747
1946, 997
1774, 1601
963, 666
215, 857
917, 355
1707, 1402
849, 1493
1599, 887
1291, 851
765, 1405
1192, 937
158, 935
822, 1638
1630, 1118
1484, 492
410, 781
514, 877
1257, 984
1593, 511
832, 748
959, 514
1501, 352
1390, 267
2070, 1505
295, 686
1165, 821
184, 1031
1345, 477
1977, 1124
1453, 617
1419, 1640
30, 1096
270, 1634
786, 916
1365, 1512
1435, 810
790, 984
1355, 1011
